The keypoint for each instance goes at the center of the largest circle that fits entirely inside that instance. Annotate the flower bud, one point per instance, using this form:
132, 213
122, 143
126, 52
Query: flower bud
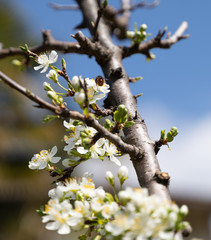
79, 97
110, 178
17, 62
63, 63
47, 86
122, 109
59, 99
184, 210
52, 75
100, 193
174, 131
124, 196
143, 27
76, 83
123, 174
130, 34
52, 95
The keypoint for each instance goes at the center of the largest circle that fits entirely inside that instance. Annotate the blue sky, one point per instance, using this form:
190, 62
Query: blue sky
176, 85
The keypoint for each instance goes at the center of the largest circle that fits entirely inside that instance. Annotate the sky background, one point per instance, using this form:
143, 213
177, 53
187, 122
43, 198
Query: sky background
176, 85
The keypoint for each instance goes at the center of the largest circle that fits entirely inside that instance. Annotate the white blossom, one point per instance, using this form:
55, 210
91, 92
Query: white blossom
111, 150
45, 61
40, 160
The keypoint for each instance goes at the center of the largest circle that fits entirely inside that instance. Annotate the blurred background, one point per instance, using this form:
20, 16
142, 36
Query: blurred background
176, 90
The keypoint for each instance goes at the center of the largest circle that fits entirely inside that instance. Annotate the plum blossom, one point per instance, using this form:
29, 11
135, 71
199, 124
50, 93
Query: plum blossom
41, 160
45, 61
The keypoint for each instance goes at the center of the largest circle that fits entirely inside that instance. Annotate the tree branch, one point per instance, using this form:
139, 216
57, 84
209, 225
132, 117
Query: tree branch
49, 43
157, 42
63, 7
64, 112
146, 164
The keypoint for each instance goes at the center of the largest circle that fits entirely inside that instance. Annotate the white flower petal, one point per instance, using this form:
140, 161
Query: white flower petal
45, 68
53, 57
64, 229
82, 150
52, 225
55, 159
115, 160
38, 67
53, 151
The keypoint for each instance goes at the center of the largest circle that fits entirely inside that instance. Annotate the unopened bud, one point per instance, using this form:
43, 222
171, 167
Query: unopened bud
52, 75
110, 178
47, 86
143, 27
174, 131
79, 97
123, 174
52, 95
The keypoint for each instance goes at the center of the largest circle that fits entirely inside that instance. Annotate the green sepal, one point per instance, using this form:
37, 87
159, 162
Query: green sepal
40, 211
129, 123
48, 118
73, 163
83, 135
82, 237
109, 197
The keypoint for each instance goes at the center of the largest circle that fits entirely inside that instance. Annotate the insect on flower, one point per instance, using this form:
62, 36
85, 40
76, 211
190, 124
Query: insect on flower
99, 81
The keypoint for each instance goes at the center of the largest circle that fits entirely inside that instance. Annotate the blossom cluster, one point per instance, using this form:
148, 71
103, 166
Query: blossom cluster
95, 90
138, 35
79, 144
77, 204
146, 217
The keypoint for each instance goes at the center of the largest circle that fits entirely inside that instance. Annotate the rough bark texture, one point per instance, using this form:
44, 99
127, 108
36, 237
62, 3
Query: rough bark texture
147, 165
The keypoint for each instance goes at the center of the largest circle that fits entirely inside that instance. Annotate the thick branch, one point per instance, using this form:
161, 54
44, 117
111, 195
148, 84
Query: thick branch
146, 164
157, 42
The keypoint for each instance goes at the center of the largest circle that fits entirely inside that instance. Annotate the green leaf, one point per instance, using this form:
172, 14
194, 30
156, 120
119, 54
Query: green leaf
86, 111
82, 237
162, 134
105, 3
49, 118
129, 123
169, 137
40, 211
108, 124
25, 48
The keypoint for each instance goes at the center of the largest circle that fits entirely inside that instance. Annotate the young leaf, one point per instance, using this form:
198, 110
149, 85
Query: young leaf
48, 118
129, 123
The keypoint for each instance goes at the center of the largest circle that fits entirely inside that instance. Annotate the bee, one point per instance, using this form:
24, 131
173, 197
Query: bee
100, 81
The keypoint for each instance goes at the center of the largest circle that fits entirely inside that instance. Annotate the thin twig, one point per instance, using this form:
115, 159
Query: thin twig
157, 42
138, 5
64, 112
63, 7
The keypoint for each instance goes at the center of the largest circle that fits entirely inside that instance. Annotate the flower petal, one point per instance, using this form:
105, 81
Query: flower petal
53, 57
64, 229
38, 67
